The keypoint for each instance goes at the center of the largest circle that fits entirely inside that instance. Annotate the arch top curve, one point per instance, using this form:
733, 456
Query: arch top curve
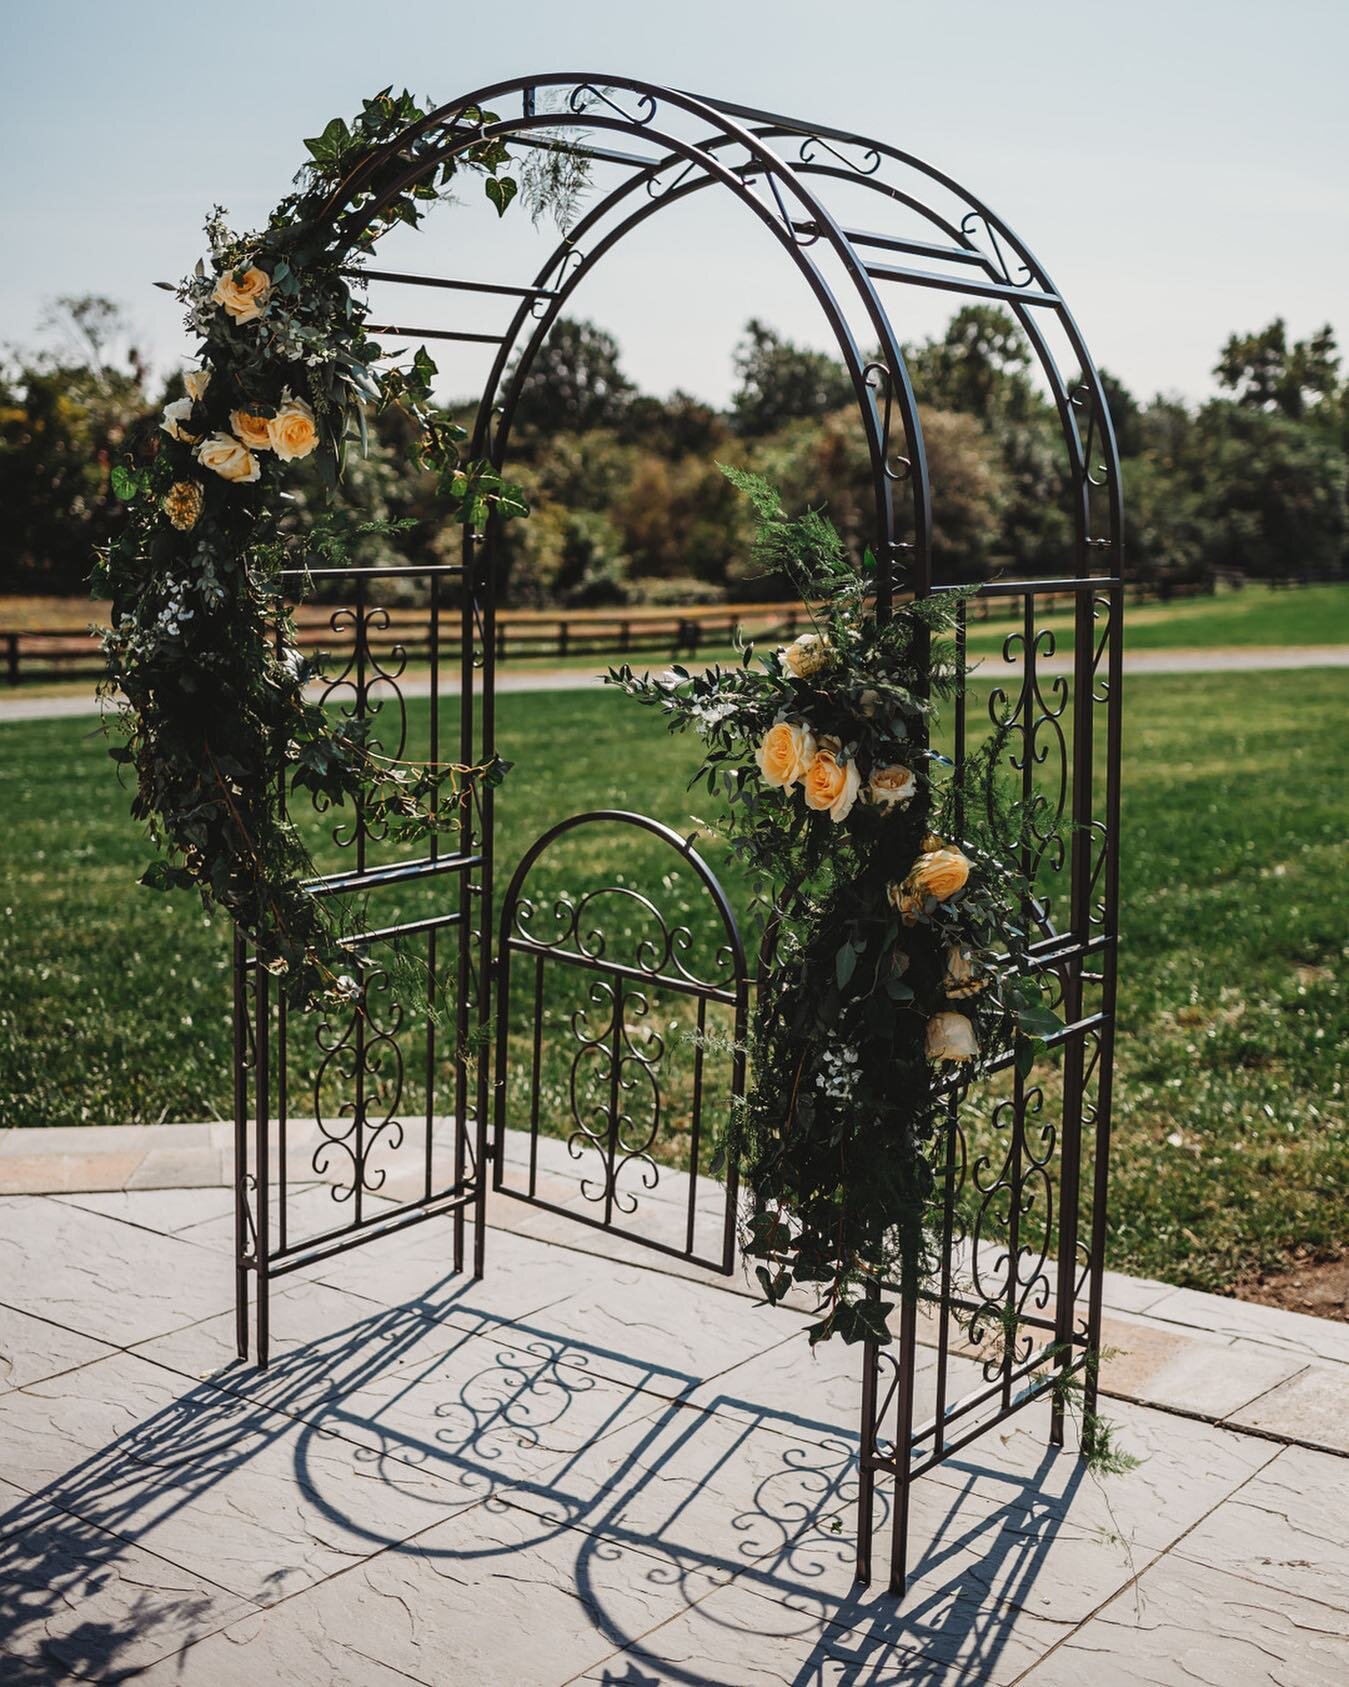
664, 144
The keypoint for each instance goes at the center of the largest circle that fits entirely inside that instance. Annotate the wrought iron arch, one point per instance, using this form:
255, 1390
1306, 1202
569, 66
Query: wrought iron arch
1060, 696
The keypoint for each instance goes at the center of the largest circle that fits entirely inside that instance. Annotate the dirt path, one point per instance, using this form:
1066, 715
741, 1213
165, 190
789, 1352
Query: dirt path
1235, 660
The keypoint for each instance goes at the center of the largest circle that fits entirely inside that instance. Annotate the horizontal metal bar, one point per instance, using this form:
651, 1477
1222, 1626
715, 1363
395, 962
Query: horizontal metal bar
1029, 588
409, 929
389, 1224
412, 570
373, 878
432, 334
897, 243
954, 284
717, 1265
592, 963
950, 1448
398, 278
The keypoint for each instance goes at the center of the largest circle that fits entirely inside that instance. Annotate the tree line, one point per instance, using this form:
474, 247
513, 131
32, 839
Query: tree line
628, 503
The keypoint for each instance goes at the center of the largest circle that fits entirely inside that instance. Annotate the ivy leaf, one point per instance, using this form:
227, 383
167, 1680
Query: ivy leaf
328, 147
1037, 1021
125, 483
501, 190
845, 964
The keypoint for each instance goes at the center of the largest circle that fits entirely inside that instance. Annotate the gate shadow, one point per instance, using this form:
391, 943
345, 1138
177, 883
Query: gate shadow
779, 1488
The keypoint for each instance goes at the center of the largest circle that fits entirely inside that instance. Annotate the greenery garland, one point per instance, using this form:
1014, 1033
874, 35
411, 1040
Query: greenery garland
899, 941
203, 665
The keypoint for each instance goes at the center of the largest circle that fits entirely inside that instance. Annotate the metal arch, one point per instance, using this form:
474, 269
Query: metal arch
772, 166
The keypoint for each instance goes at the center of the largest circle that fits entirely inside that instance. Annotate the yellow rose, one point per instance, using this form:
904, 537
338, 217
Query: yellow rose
806, 656
253, 430
243, 293
225, 456
292, 430
904, 901
939, 872
183, 504
175, 415
931, 842
892, 786
950, 1036
962, 976
786, 754
196, 382
831, 786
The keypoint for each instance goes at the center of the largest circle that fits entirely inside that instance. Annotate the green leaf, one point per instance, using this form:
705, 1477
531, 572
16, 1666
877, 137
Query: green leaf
125, 483
845, 964
501, 190
328, 147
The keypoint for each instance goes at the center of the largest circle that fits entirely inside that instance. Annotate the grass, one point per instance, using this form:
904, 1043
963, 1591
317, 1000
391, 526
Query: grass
1230, 1141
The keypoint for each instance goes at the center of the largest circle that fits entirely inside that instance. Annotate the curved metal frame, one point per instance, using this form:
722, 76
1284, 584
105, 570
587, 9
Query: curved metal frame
784, 173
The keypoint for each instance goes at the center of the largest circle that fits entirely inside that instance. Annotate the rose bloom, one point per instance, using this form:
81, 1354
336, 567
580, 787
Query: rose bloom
253, 430
806, 656
292, 430
183, 504
243, 293
225, 456
962, 976
907, 904
196, 382
175, 415
892, 785
786, 754
950, 1036
832, 786
939, 872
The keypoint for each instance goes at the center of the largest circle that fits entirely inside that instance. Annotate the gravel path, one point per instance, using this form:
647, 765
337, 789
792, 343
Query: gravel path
1230, 661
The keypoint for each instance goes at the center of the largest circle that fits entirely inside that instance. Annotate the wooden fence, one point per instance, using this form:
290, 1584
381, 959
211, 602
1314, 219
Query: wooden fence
613, 635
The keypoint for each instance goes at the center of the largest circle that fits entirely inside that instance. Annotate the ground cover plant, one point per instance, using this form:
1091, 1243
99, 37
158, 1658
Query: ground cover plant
1231, 1140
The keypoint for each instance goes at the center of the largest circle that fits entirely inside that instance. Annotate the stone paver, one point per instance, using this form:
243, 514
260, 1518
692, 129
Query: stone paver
583, 1469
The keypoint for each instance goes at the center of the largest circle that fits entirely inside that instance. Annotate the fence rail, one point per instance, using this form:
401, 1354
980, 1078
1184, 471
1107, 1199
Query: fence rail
35, 655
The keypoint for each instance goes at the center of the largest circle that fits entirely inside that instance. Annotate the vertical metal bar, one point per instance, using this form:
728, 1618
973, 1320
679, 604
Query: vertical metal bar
899, 1518
485, 575
944, 1288
739, 1035
958, 751
1109, 968
262, 1157
866, 1469
695, 1130
535, 1075
615, 1066
462, 935
432, 984
240, 1147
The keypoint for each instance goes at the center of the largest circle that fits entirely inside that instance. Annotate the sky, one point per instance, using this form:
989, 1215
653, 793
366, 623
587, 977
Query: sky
1179, 167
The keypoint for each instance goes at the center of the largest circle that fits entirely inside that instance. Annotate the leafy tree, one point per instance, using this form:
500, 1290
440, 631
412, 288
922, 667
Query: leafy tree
1267, 373
575, 383
781, 382
980, 365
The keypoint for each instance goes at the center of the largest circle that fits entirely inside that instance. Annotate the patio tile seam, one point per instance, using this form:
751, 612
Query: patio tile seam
1245, 1575
1132, 1582
1252, 1430
1273, 1388
112, 1346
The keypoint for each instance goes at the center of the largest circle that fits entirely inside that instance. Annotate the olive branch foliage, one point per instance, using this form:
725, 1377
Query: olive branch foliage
839, 1133
206, 688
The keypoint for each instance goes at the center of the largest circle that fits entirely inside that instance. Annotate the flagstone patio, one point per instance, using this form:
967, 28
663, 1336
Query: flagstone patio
600, 1469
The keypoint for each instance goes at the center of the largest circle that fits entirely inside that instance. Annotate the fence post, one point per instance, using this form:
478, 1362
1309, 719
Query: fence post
562, 631
12, 658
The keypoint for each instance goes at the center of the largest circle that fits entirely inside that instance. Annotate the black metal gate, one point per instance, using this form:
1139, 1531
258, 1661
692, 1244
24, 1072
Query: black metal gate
1017, 1310
593, 982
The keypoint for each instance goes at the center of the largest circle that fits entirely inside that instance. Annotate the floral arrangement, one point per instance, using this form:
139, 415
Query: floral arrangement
896, 943
201, 653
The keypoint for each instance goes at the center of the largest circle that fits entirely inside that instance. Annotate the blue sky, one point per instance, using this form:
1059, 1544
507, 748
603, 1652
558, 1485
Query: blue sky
1180, 168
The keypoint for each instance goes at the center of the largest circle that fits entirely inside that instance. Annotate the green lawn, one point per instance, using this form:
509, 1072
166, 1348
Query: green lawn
1230, 1145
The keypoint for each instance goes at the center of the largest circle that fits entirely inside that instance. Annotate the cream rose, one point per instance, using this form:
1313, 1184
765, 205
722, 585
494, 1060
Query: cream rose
891, 786
804, 657
225, 456
786, 754
950, 1036
175, 415
939, 873
196, 382
183, 503
243, 293
962, 978
832, 786
254, 431
292, 430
